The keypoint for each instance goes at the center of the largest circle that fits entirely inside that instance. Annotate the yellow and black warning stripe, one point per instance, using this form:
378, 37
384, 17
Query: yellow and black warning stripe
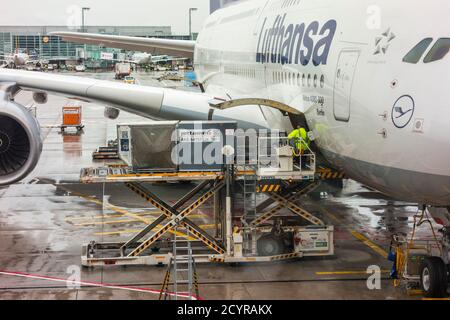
196, 287
170, 225
146, 244
205, 240
266, 216
285, 256
217, 259
296, 209
197, 203
331, 175
155, 203
268, 187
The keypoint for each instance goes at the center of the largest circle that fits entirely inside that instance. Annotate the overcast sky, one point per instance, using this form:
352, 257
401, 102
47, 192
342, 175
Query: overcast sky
105, 12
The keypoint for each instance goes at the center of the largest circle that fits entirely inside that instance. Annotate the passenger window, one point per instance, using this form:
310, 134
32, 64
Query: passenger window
417, 52
438, 51
309, 80
315, 81
322, 81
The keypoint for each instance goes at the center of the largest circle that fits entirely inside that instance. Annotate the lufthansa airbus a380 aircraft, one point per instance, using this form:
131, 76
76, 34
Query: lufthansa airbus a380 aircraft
374, 93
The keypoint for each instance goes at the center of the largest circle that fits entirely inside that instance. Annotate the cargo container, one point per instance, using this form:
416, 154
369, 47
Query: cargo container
147, 147
169, 146
200, 144
72, 116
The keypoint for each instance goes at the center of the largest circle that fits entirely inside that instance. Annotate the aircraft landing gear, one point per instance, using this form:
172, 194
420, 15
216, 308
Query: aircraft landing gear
424, 262
433, 277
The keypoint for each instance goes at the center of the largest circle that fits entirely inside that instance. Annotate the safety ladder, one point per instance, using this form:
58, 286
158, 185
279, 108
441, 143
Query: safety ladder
184, 271
249, 186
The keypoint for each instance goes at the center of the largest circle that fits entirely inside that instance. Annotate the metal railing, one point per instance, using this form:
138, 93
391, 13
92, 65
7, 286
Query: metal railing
268, 157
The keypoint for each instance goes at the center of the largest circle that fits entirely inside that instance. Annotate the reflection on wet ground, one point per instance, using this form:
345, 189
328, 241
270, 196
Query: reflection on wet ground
46, 219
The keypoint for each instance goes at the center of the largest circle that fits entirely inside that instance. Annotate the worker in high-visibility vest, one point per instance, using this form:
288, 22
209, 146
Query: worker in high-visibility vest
299, 140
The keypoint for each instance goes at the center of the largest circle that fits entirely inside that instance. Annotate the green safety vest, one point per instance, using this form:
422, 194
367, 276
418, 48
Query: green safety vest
301, 139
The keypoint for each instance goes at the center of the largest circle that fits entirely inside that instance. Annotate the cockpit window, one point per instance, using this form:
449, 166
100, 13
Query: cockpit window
417, 52
438, 51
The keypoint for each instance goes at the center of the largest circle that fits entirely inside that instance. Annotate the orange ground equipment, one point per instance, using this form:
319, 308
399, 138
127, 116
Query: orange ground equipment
72, 116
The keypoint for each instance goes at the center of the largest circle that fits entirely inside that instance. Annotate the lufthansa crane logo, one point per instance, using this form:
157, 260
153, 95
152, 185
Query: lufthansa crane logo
403, 111
383, 42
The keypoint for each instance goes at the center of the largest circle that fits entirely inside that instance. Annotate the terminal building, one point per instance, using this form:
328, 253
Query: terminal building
35, 41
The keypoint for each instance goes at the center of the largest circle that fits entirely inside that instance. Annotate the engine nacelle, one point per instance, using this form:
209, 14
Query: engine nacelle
20, 141
112, 113
40, 97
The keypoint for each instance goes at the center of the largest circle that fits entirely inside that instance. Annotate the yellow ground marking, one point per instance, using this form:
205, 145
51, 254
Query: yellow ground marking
114, 208
156, 212
125, 212
370, 244
414, 292
331, 273
131, 231
436, 299
93, 223
358, 235
107, 216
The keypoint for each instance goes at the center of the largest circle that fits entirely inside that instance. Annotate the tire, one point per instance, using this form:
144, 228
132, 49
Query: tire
433, 277
269, 245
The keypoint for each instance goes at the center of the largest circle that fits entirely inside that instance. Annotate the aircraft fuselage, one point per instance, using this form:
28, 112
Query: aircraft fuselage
383, 121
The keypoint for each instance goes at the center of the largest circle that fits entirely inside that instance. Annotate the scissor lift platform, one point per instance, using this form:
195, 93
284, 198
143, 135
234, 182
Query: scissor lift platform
152, 246
258, 233
114, 174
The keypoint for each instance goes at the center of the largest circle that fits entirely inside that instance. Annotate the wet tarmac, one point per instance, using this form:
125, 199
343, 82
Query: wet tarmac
46, 219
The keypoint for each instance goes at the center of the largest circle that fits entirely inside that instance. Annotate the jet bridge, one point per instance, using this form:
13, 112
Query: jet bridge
258, 213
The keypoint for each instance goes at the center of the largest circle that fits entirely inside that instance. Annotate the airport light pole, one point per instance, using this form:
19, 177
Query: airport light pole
83, 10
190, 21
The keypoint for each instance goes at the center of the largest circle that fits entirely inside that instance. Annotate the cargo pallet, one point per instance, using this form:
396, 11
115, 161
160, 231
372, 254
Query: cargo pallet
78, 127
106, 153
261, 234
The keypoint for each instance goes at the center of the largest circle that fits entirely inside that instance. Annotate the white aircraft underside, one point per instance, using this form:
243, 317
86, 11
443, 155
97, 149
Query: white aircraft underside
385, 122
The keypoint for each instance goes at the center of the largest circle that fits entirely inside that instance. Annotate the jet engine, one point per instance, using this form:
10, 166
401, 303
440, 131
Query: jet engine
112, 113
20, 141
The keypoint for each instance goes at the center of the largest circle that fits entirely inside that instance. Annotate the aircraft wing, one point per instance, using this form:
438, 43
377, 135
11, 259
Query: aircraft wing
184, 48
168, 59
150, 102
